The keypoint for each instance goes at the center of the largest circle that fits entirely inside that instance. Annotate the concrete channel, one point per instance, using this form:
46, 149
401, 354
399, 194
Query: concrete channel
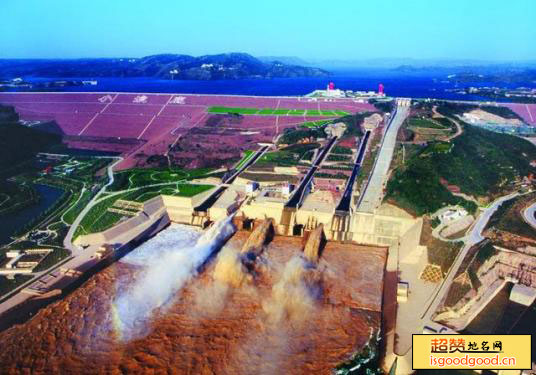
296, 199
343, 207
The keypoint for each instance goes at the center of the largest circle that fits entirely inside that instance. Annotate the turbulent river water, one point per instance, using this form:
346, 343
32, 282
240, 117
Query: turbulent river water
168, 261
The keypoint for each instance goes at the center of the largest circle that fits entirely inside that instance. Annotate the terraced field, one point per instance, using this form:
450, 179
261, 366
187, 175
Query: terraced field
429, 129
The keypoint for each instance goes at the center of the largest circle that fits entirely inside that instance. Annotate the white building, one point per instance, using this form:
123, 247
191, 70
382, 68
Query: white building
451, 215
471, 118
251, 187
287, 189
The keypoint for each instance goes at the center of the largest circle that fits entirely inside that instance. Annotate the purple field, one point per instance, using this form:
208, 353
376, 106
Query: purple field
526, 111
151, 124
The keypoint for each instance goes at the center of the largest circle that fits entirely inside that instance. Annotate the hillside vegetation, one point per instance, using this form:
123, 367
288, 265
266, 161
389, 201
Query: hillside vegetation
481, 163
508, 217
167, 66
353, 123
293, 136
453, 109
20, 143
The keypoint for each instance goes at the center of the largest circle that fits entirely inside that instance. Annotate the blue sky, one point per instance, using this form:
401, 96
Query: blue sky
336, 29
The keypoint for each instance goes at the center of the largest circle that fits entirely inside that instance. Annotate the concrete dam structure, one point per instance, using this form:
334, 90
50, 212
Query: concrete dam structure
383, 227
361, 219
315, 244
262, 234
164, 209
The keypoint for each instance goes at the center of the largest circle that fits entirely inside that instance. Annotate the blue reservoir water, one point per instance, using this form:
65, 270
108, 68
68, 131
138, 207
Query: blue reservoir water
416, 85
11, 222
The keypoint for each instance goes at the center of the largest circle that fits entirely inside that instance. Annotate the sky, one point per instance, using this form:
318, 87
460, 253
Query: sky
337, 29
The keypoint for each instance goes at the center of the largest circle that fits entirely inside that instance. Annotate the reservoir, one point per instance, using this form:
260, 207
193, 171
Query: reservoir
427, 84
11, 222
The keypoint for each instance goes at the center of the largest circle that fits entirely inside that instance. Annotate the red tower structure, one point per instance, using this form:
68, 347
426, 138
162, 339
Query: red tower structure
380, 89
331, 86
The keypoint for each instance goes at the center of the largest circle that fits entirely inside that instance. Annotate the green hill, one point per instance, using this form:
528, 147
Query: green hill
481, 163
165, 66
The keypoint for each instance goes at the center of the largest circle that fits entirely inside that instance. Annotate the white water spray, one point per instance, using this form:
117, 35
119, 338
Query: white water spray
164, 275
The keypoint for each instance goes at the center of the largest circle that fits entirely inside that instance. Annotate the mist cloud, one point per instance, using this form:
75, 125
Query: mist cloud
170, 266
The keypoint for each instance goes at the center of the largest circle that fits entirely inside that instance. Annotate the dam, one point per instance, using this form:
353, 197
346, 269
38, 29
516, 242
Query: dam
357, 217
279, 235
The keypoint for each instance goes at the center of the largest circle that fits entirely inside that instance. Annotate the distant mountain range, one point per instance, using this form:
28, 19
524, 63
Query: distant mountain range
290, 60
521, 77
242, 65
455, 70
165, 66
402, 64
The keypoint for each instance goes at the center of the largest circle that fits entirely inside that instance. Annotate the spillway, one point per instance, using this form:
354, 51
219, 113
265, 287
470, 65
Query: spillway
168, 262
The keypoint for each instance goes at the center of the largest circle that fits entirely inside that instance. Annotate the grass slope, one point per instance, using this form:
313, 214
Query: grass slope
99, 218
425, 123
278, 111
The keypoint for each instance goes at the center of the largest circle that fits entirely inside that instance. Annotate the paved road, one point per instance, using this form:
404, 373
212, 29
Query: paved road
82, 192
79, 256
528, 215
68, 240
82, 257
421, 313
474, 237
436, 232
373, 194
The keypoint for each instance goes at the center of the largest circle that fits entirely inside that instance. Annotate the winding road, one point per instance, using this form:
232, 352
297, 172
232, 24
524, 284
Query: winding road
421, 313
472, 238
528, 215
68, 241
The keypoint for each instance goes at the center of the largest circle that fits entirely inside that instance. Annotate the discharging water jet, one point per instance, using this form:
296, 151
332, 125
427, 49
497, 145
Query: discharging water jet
164, 275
